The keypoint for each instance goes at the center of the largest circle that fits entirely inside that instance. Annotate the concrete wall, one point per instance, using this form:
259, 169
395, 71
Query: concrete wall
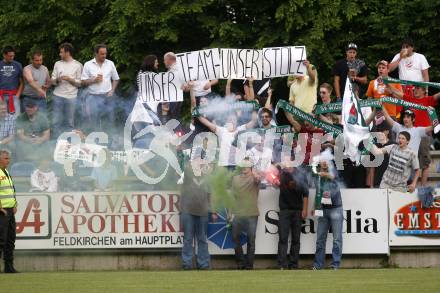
28, 261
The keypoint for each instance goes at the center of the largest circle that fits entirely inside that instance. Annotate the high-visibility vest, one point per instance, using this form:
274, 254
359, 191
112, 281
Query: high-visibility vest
7, 190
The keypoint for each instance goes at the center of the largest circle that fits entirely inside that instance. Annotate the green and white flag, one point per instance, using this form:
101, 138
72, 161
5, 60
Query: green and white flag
355, 129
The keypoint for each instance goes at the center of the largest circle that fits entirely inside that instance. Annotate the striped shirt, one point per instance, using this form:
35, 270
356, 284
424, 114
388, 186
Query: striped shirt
7, 126
400, 165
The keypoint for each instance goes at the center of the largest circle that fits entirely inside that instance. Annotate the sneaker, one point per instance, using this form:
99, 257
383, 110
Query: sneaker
315, 268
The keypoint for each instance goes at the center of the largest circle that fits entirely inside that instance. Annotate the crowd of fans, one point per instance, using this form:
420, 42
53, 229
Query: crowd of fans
30, 127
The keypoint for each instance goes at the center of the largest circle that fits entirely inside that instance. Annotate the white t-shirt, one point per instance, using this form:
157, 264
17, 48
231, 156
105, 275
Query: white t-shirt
71, 69
410, 68
227, 151
198, 89
108, 71
416, 135
260, 158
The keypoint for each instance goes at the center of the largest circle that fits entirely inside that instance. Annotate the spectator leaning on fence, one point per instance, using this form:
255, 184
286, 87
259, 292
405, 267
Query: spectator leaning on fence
66, 77
402, 161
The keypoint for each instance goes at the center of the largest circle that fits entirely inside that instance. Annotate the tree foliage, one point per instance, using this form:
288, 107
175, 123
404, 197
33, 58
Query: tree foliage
134, 28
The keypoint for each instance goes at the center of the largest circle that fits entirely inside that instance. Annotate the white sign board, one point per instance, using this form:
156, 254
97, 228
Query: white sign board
199, 65
98, 220
151, 220
159, 87
365, 229
284, 61
410, 223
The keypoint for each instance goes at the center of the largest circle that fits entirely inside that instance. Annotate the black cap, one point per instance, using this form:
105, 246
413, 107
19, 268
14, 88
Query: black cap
352, 46
409, 113
30, 103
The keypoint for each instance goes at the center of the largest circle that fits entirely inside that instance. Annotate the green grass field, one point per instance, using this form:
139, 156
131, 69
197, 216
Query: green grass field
361, 280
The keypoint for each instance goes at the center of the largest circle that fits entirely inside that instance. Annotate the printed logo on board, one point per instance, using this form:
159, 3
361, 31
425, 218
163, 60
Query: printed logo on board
33, 217
412, 219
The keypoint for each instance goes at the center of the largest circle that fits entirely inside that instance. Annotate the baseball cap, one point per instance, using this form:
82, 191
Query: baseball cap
409, 113
29, 103
383, 62
352, 46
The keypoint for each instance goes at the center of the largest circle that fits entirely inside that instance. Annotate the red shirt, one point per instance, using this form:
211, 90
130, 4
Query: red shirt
422, 117
308, 151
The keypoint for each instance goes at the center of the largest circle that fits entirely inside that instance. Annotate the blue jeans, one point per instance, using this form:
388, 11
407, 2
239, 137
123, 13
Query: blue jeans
249, 226
99, 107
195, 228
63, 114
333, 218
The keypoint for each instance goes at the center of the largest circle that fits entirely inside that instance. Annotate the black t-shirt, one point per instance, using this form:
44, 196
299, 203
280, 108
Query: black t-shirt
293, 188
341, 69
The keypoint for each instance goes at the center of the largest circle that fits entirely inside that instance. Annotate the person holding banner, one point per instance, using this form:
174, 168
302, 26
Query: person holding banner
328, 208
325, 91
303, 89
226, 136
352, 67
408, 118
420, 97
169, 60
378, 89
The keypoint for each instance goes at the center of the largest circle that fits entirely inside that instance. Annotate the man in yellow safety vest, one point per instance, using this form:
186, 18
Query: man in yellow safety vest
8, 208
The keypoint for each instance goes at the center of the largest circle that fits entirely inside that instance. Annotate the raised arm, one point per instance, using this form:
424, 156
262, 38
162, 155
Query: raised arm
397, 93
192, 95
311, 71
336, 80
370, 117
388, 119
268, 104
296, 125
228, 87
208, 123
250, 95
395, 62
253, 122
